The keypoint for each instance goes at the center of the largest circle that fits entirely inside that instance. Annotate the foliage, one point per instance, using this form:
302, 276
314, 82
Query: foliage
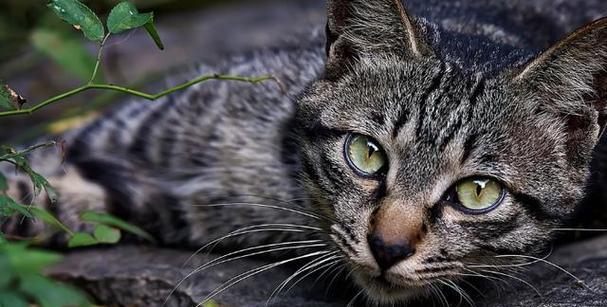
122, 17
80, 16
21, 280
20, 18
111, 221
125, 16
65, 49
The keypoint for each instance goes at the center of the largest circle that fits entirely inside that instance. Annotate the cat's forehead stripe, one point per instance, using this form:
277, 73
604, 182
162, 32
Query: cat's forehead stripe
436, 85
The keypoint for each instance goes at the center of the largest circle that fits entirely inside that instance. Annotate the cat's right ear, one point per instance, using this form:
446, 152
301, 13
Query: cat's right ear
569, 83
364, 28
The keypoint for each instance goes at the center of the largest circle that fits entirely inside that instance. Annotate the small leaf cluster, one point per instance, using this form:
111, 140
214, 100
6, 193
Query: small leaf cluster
8, 206
107, 230
21, 280
123, 17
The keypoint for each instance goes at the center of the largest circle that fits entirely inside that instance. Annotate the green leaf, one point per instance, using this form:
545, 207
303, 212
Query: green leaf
66, 50
25, 260
151, 28
12, 299
3, 183
125, 16
51, 193
5, 267
109, 220
106, 234
210, 303
8, 207
49, 219
79, 16
41, 183
82, 239
49, 293
5, 98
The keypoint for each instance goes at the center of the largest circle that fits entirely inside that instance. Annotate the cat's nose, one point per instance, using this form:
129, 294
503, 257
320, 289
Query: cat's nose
388, 254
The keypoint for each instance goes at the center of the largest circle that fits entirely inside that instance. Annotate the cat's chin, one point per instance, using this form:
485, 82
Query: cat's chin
383, 291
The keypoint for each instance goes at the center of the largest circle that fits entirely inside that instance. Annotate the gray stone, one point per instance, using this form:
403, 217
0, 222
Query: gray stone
144, 276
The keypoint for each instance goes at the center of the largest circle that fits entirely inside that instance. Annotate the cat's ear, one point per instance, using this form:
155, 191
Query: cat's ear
357, 28
569, 80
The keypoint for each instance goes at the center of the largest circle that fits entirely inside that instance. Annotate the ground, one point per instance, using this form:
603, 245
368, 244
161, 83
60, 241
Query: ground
144, 276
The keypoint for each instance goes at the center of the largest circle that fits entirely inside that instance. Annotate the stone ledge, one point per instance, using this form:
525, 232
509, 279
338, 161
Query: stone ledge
144, 276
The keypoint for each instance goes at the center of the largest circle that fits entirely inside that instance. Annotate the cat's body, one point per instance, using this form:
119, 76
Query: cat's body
189, 167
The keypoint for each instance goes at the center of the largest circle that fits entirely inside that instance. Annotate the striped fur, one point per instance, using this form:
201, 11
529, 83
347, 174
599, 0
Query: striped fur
440, 113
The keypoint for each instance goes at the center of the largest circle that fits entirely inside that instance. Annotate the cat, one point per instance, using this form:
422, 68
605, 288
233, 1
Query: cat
415, 150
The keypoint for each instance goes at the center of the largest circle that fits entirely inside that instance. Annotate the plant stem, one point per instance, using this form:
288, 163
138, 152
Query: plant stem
117, 88
26, 151
99, 54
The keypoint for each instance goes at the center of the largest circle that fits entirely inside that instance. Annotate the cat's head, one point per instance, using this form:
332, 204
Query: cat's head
429, 172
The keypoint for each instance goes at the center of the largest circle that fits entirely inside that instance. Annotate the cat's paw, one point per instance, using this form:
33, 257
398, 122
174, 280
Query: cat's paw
75, 196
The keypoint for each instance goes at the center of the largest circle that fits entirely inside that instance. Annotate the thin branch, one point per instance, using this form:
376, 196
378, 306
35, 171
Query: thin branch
117, 88
26, 151
99, 55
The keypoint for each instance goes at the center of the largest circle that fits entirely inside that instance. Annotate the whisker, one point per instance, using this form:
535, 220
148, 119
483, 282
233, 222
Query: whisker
343, 267
492, 279
252, 229
334, 261
442, 298
334, 267
220, 260
514, 265
466, 296
477, 274
469, 284
516, 278
550, 264
289, 278
434, 295
210, 246
239, 278
281, 246
441, 281
353, 300
463, 296
580, 229
304, 213
292, 201
308, 266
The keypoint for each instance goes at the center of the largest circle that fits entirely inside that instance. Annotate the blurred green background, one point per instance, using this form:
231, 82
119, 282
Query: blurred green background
40, 56
18, 18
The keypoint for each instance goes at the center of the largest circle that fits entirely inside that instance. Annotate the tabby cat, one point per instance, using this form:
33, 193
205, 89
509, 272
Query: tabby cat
414, 149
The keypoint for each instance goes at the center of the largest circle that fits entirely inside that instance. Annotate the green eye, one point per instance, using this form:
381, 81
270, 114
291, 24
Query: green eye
364, 155
479, 195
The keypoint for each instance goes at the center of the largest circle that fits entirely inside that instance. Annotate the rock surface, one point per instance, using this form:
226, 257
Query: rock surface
145, 276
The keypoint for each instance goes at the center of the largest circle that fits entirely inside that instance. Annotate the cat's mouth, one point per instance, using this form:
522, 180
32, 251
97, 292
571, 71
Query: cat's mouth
387, 286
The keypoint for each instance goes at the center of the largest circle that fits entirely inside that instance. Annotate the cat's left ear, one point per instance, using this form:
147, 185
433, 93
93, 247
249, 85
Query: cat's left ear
570, 81
365, 28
